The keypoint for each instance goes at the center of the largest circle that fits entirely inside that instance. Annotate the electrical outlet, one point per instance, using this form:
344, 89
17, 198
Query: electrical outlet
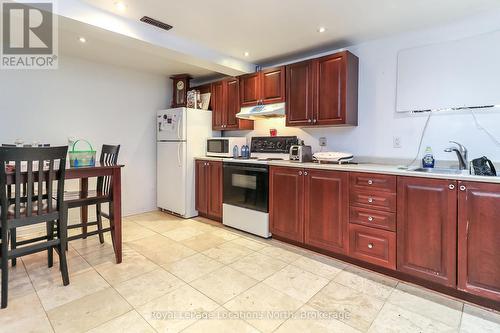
322, 141
396, 142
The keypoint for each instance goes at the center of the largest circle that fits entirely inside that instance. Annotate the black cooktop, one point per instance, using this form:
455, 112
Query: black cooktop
273, 144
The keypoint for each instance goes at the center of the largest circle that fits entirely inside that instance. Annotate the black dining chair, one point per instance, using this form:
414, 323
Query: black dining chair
44, 174
98, 197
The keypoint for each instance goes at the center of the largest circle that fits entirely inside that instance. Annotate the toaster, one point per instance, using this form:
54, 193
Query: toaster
301, 153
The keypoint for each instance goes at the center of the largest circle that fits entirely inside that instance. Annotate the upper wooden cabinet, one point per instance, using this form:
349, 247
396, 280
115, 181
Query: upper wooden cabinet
479, 239
299, 93
263, 87
427, 229
323, 91
250, 89
225, 105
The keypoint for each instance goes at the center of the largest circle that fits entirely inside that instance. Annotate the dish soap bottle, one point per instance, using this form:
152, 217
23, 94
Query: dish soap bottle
428, 161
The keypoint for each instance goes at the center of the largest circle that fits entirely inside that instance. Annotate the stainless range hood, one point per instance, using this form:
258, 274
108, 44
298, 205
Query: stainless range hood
262, 111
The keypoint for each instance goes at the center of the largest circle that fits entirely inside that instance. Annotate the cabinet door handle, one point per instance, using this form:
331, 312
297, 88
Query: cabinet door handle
370, 245
370, 182
300, 173
451, 187
370, 218
305, 173
370, 200
462, 188
314, 121
309, 120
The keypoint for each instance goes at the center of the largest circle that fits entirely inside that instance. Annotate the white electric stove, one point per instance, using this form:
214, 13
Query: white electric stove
246, 185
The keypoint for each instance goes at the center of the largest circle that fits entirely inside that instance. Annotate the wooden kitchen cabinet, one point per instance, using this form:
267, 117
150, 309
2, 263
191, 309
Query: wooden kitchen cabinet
272, 85
218, 105
263, 87
427, 229
299, 94
310, 207
373, 245
326, 197
286, 203
225, 105
233, 104
209, 189
479, 239
323, 91
249, 89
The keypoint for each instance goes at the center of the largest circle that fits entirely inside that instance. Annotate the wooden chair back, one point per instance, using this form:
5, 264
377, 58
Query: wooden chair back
109, 156
35, 170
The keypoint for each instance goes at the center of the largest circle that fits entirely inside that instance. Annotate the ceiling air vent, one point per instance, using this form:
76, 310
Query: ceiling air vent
156, 23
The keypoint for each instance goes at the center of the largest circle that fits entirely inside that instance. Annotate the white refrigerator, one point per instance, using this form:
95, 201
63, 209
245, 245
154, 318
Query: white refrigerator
181, 136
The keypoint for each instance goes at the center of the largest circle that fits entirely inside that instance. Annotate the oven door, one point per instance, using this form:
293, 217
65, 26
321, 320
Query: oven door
246, 185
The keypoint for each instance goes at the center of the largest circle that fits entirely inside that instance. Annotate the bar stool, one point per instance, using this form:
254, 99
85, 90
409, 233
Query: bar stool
32, 207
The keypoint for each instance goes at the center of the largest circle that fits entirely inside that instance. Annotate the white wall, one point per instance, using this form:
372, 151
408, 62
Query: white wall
98, 102
378, 121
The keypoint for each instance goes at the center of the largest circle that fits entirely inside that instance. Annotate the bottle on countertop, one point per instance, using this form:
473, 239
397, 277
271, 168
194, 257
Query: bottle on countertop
243, 151
236, 151
428, 161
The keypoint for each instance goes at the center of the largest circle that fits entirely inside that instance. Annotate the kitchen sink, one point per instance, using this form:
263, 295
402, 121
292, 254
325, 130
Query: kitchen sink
440, 171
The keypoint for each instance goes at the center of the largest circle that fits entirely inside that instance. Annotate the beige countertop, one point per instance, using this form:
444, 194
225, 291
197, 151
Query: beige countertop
366, 167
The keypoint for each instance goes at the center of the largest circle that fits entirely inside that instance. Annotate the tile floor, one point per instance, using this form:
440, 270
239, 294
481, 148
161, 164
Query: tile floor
176, 273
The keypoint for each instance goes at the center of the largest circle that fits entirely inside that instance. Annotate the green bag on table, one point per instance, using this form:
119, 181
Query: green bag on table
81, 158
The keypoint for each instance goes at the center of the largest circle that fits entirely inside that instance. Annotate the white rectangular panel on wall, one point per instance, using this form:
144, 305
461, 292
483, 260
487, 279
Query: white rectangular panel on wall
460, 73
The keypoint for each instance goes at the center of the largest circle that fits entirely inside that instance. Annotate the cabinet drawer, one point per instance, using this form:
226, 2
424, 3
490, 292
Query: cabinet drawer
374, 199
368, 181
373, 245
373, 218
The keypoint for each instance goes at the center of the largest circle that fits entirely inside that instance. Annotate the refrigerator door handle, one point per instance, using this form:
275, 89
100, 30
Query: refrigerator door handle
179, 126
179, 146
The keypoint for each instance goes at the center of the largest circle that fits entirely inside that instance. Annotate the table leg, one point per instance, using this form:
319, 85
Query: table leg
117, 214
84, 189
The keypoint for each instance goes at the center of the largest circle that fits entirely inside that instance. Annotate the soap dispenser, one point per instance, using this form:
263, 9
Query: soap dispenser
428, 160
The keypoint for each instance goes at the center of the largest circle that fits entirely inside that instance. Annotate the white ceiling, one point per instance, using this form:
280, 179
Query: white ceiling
108, 47
270, 29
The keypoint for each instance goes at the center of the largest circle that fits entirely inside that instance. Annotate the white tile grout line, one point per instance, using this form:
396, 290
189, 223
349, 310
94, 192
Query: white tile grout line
286, 247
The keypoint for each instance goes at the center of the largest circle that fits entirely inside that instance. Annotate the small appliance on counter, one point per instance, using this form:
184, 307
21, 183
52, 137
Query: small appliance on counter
482, 167
333, 157
301, 153
223, 147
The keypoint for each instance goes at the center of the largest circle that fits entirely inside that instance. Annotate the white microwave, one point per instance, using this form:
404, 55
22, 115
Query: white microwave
223, 147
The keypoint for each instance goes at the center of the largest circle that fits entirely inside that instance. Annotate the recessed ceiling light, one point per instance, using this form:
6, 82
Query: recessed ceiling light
246, 54
82, 39
120, 6
321, 29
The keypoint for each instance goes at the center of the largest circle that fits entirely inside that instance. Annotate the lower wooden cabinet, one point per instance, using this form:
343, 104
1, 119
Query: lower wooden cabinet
373, 245
310, 207
479, 239
427, 229
209, 184
286, 203
326, 210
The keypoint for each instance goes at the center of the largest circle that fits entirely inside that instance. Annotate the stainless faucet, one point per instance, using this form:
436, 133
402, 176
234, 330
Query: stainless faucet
463, 163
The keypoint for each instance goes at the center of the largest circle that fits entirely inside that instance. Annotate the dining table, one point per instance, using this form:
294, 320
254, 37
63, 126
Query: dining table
83, 173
